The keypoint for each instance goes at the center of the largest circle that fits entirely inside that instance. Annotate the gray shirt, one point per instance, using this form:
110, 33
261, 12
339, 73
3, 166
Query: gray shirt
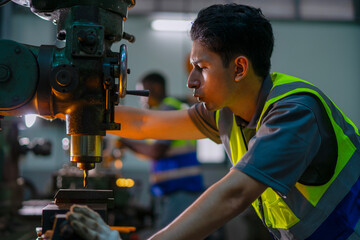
295, 142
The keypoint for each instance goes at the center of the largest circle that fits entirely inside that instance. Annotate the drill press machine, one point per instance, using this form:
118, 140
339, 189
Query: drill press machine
82, 81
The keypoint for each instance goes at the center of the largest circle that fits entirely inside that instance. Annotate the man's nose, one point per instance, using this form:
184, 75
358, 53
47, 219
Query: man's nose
193, 81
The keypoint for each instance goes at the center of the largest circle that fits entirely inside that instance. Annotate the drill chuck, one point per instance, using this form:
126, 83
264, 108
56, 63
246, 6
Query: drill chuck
86, 150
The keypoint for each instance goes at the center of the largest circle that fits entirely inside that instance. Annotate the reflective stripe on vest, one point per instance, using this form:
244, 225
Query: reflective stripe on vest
237, 144
310, 210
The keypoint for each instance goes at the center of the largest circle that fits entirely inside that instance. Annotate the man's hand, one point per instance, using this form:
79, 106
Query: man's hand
89, 225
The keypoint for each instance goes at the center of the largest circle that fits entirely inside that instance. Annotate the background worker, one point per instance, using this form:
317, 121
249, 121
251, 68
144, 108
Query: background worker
295, 154
175, 176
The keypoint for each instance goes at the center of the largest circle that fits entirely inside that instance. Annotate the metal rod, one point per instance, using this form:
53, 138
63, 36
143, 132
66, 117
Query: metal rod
138, 92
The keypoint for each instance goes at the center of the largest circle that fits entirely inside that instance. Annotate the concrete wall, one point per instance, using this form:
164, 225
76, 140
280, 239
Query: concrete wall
326, 54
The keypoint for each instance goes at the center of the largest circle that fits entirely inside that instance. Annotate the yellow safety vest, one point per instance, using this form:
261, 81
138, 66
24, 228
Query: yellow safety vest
284, 216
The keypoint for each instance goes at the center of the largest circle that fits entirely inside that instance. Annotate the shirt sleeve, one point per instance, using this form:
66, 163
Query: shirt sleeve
205, 121
284, 146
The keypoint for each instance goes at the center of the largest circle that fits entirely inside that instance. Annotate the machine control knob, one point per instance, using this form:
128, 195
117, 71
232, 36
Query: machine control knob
63, 78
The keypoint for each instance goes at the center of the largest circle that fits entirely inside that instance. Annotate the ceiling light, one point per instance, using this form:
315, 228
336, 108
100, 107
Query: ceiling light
171, 25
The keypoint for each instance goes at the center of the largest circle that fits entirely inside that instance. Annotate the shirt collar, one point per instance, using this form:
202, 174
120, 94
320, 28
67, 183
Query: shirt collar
264, 92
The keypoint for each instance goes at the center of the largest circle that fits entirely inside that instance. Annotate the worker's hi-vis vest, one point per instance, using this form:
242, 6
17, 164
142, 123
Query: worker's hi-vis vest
179, 169
329, 211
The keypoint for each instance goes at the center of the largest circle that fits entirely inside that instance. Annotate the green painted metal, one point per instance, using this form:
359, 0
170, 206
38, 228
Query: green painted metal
118, 6
18, 75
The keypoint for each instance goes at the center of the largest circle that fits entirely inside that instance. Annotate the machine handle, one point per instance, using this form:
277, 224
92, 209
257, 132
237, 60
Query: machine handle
129, 37
123, 70
144, 93
123, 76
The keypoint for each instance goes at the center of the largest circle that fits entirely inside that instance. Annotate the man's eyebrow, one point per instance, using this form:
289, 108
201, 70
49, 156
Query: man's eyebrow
196, 61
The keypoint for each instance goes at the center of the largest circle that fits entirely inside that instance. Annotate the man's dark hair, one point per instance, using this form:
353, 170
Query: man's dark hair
233, 29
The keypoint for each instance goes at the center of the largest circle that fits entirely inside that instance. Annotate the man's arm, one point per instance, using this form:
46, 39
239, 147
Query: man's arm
139, 123
221, 202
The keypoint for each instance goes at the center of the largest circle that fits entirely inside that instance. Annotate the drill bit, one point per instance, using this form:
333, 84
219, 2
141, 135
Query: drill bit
86, 175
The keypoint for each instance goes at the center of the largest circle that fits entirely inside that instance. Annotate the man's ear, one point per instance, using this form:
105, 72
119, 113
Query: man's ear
241, 68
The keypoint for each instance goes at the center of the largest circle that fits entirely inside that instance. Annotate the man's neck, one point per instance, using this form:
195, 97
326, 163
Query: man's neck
245, 105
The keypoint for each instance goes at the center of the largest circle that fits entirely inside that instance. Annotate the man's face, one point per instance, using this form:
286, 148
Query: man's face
211, 82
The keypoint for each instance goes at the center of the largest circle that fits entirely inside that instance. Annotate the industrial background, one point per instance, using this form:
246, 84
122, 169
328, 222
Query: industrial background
316, 40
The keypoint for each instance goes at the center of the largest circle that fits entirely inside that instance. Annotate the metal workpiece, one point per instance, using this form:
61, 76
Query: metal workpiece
83, 196
98, 200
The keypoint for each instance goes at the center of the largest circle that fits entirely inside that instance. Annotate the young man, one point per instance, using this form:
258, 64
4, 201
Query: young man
295, 155
175, 174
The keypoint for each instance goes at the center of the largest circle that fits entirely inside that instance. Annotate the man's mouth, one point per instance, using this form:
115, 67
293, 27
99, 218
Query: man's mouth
197, 97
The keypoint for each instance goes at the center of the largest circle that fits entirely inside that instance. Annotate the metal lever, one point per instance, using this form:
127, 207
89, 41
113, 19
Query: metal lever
144, 93
129, 37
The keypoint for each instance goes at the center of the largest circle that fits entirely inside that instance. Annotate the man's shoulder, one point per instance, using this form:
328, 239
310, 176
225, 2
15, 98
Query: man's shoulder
302, 99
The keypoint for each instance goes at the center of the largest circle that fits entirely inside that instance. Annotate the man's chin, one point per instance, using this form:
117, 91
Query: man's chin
208, 107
